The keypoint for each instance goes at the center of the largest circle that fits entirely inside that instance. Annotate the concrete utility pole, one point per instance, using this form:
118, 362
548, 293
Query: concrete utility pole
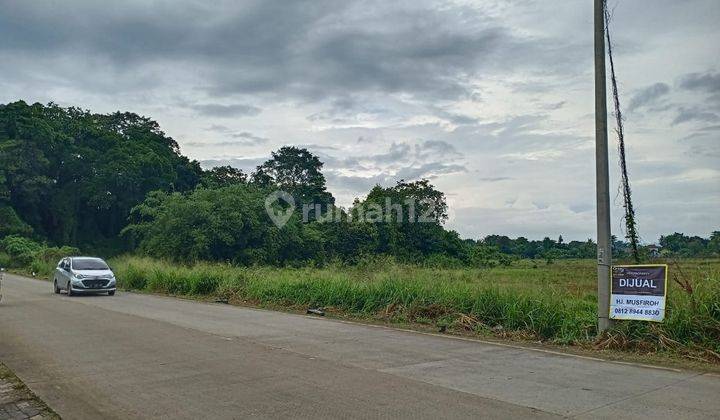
602, 183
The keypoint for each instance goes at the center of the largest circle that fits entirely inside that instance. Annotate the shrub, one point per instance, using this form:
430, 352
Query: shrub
45, 260
486, 256
442, 261
54, 254
40, 268
21, 250
4, 260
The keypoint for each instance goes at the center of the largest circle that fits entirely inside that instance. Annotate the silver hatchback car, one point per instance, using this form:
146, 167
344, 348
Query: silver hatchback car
84, 275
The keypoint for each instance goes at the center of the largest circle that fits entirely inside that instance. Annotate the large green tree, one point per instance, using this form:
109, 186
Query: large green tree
296, 171
72, 176
408, 220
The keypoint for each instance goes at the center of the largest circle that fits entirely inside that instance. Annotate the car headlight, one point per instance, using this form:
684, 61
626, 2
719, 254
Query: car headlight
80, 276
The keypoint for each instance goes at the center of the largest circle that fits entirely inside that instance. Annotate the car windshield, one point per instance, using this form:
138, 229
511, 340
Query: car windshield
88, 264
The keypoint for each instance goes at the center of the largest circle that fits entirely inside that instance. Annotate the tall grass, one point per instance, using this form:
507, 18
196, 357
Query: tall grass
554, 302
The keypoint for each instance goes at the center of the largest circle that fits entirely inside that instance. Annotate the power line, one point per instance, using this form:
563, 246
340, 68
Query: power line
630, 223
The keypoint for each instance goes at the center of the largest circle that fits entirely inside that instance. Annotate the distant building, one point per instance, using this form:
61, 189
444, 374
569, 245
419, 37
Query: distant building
653, 251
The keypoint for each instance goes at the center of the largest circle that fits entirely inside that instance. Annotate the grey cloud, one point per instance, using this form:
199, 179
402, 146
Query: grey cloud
707, 151
402, 160
661, 107
694, 114
455, 118
397, 152
648, 95
462, 119
249, 137
225, 111
219, 128
140, 31
581, 207
307, 50
516, 125
436, 148
706, 82
402, 154
556, 105
496, 179
242, 138
345, 109
429, 170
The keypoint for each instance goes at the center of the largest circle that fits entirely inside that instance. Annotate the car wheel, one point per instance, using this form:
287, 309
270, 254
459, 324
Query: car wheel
56, 289
69, 290
111, 293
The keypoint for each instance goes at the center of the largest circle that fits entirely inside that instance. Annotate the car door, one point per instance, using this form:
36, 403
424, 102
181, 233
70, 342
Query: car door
58, 273
66, 273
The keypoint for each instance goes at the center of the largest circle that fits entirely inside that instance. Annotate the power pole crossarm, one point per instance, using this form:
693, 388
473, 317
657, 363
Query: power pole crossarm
604, 250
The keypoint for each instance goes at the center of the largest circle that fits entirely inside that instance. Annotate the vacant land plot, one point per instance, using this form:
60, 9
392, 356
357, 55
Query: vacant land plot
529, 299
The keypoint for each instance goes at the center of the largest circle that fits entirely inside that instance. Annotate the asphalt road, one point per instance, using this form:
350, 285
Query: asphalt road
139, 356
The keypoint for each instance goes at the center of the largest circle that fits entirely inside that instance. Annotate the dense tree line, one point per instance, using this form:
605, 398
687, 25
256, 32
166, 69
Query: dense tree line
116, 182
675, 245
681, 245
230, 222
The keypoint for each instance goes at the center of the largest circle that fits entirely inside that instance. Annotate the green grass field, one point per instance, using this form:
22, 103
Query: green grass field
529, 299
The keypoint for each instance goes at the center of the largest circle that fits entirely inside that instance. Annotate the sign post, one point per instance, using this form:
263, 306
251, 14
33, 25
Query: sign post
638, 292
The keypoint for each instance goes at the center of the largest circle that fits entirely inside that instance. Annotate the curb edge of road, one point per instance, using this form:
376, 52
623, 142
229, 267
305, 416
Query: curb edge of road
25, 400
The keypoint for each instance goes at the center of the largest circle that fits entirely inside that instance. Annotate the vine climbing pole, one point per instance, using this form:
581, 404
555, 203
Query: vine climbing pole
604, 250
630, 224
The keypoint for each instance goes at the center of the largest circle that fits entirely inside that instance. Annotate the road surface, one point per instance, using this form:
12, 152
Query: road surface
140, 356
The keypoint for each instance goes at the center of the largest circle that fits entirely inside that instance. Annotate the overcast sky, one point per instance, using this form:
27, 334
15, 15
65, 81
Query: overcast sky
491, 100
